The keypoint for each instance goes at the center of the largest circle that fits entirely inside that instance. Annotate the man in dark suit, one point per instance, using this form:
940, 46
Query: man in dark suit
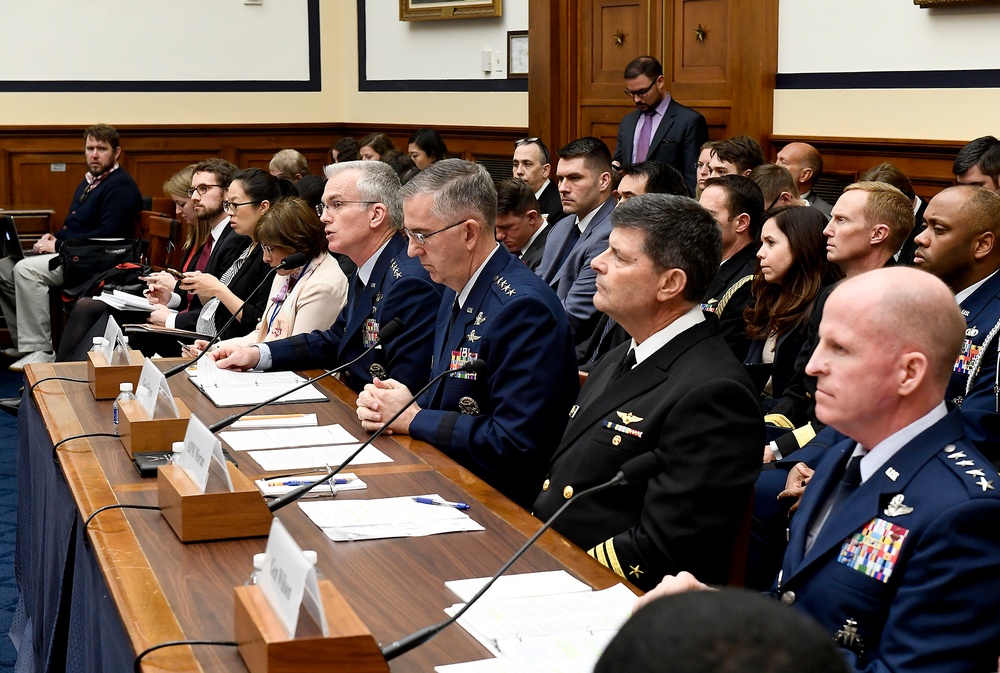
961, 246
737, 205
675, 390
363, 215
531, 164
806, 165
584, 172
978, 164
520, 225
895, 549
503, 422
661, 128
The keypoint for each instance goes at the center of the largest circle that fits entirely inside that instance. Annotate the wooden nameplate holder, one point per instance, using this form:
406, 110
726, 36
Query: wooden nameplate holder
196, 516
266, 648
140, 433
106, 379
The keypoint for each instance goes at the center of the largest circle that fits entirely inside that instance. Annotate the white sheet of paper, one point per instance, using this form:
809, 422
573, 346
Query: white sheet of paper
253, 440
275, 487
286, 460
287, 578
385, 518
275, 421
519, 586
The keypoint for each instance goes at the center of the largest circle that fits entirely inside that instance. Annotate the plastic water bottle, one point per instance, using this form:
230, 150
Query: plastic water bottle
258, 568
98, 345
177, 449
124, 394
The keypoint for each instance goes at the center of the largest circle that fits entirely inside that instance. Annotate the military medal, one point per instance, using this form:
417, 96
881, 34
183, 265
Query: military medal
848, 638
970, 352
377, 371
370, 333
458, 359
469, 406
875, 550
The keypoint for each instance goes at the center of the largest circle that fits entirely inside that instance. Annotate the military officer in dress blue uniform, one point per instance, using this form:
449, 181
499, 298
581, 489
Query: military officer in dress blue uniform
504, 422
961, 246
686, 399
895, 549
363, 214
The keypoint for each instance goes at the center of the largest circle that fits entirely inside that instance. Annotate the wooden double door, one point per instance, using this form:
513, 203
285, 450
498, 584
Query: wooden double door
718, 56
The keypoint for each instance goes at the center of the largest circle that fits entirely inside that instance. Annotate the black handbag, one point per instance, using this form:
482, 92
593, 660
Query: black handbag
84, 260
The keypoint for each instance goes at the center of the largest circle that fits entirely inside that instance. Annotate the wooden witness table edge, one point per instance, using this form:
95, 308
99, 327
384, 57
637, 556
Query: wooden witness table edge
145, 612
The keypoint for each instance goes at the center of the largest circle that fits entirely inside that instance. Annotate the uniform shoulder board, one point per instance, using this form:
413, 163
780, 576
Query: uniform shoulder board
394, 269
504, 286
979, 476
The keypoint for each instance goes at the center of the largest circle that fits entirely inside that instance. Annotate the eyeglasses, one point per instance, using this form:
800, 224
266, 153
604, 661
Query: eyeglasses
641, 92
231, 206
337, 205
525, 141
201, 189
422, 238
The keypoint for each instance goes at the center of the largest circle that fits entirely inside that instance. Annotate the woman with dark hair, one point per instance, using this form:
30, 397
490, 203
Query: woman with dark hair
427, 147
373, 146
791, 272
304, 299
251, 193
346, 149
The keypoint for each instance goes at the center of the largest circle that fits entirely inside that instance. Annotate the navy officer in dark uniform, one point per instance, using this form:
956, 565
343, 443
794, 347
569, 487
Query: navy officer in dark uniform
674, 389
504, 422
363, 214
895, 548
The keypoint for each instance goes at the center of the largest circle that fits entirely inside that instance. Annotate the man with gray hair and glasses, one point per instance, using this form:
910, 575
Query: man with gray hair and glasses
501, 422
363, 214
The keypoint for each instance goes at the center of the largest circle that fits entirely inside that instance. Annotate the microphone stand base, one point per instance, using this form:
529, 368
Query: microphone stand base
266, 648
197, 517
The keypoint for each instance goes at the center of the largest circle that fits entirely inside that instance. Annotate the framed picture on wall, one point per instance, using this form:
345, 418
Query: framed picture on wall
952, 3
428, 10
517, 54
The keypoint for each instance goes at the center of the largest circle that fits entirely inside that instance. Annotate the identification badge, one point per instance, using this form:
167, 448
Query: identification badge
459, 358
370, 335
969, 353
875, 550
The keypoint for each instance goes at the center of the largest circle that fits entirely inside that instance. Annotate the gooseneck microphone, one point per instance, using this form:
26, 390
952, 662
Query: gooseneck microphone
472, 366
637, 470
387, 333
293, 261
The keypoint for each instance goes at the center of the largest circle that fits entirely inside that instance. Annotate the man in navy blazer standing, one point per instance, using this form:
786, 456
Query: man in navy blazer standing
894, 549
661, 128
503, 422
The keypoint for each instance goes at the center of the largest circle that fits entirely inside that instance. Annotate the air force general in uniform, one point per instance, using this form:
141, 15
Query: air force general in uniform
501, 423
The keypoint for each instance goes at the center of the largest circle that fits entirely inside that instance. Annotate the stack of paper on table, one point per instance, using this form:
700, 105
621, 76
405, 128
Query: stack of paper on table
123, 301
386, 518
234, 389
283, 449
565, 630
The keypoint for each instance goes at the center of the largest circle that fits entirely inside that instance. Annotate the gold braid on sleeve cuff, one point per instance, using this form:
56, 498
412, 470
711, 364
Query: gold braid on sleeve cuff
606, 556
803, 435
779, 421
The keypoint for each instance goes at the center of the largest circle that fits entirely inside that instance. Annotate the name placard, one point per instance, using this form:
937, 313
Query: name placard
202, 454
154, 393
288, 580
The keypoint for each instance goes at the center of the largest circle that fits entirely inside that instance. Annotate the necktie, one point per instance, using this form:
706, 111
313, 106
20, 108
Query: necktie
445, 355
357, 288
202, 262
848, 484
627, 364
642, 148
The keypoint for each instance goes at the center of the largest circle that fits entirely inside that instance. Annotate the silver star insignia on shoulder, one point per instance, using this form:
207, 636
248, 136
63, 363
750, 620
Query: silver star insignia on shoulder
628, 417
397, 274
896, 506
986, 485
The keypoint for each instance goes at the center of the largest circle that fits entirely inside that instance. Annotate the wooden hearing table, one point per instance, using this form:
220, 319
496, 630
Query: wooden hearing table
127, 583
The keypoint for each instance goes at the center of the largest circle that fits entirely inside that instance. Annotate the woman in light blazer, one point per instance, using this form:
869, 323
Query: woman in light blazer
303, 299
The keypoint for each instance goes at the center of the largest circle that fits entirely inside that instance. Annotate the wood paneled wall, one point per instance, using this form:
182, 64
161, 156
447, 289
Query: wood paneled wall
41, 166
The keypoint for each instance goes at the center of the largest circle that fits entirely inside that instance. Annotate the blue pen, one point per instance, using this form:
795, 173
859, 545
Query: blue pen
443, 503
294, 482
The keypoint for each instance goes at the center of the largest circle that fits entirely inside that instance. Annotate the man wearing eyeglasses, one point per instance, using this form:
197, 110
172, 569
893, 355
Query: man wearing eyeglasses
363, 217
105, 205
209, 183
502, 422
661, 128
531, 165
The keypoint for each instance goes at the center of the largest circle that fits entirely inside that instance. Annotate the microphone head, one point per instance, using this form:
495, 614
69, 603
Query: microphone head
293, 261
474, 366
641, 468
390, 330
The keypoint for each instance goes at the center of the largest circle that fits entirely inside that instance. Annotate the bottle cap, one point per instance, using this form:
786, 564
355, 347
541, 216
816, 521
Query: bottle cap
125, 387
310, 556
177, 447
258, 561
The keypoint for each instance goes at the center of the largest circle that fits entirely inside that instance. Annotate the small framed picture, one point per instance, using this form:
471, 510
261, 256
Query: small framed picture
517, 54
428, 10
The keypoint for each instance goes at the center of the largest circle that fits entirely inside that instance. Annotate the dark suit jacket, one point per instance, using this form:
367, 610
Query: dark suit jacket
932, 605
230, 246
591, 351
677, 141
245, 286
909, 245
691, 404
817, 202
503, 423
550, 202
532, 257
731, 323
398, 287
786, 354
